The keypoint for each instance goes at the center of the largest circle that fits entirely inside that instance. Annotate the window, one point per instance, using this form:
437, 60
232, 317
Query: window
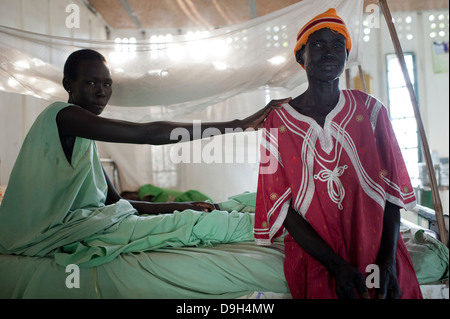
402, 113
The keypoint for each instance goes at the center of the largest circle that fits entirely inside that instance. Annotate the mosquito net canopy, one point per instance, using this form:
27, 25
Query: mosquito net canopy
175, 76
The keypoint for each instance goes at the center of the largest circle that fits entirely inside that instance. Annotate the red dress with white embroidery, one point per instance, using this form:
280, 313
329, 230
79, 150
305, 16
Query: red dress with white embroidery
338, 178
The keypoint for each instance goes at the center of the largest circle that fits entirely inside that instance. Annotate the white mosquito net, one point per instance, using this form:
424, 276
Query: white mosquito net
218, 75
181, 75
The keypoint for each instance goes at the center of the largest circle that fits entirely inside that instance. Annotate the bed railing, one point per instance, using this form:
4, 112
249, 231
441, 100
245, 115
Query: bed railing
430, 215
113, 173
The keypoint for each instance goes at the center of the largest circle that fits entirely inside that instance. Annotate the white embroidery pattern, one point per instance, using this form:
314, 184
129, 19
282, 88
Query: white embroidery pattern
375, 110
311, 157
306, 184
283, 201
335, 188
321, 152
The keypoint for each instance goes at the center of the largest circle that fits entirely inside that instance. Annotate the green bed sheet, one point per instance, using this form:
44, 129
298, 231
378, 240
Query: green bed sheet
220, 271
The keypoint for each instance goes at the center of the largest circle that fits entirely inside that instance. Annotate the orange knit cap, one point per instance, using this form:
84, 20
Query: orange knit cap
328, 19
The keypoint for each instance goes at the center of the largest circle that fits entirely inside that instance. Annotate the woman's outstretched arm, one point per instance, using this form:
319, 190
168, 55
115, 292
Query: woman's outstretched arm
76, 121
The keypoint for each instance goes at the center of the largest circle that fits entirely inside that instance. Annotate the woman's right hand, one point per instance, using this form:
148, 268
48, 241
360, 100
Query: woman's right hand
349, 278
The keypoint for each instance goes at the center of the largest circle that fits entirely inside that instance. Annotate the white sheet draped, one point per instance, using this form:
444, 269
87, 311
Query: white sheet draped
180, 75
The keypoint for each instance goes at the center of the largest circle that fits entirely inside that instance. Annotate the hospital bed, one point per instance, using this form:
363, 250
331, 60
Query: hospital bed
219, 271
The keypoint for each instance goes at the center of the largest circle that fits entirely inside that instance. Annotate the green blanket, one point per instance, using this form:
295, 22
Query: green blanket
232, 224
244, 202
430, 258
53, 207
146, 233
50, 202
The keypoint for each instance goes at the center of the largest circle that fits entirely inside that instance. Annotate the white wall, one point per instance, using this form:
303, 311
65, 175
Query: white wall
433, 90
17, 112
436, 99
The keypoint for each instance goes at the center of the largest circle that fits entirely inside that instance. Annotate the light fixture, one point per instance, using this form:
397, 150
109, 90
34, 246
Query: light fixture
219, 65
22, 65
277, 60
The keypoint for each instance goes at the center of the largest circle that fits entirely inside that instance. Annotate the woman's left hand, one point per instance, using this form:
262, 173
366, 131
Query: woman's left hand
389, 287
200, 206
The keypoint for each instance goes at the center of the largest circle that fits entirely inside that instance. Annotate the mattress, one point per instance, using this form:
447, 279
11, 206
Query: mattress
239, 270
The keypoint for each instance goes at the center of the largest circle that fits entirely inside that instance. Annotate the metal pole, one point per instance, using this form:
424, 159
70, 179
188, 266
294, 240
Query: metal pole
363, 80
426, 149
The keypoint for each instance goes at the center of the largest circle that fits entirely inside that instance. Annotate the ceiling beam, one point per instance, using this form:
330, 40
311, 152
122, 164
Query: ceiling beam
131, 13
253, 10
108, 27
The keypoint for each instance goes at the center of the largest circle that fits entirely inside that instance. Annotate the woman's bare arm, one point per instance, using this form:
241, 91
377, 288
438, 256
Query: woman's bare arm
348, 278
149, 208
76, 121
